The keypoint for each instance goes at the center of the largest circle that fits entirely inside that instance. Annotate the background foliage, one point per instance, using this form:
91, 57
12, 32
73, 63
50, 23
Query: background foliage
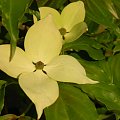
98, 50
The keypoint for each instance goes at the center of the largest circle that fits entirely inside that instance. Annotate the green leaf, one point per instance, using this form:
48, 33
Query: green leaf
52, 3
117, 6
97, 71
98, 11
115, 67
41, 3
105, 38
108, 90
106, 94
56, 3
93, 27
111, 8
116, 48
2, 93
12, 12
72, 104
87, 44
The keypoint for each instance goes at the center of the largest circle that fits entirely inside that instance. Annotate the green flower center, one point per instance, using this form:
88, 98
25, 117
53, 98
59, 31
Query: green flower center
39, 65
62, 31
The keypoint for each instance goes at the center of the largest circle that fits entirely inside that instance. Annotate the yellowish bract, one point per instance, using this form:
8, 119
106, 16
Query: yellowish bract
71, 20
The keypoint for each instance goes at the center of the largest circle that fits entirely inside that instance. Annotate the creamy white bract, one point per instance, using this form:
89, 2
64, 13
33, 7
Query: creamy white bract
40, 66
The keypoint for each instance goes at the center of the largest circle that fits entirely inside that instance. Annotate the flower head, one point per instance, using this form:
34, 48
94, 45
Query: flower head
70, 22
40, 66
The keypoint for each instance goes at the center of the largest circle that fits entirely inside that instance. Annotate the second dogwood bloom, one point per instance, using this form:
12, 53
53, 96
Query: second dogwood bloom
70, 22
40, 66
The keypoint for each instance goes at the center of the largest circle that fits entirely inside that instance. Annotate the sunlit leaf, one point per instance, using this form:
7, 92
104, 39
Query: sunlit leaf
111, 8
117, 6
8, 117
106, 94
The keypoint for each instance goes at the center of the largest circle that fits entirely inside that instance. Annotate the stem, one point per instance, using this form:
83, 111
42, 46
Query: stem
28, 108
11, 83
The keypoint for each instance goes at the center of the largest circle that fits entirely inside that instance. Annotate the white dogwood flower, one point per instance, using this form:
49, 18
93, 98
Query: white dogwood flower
40, 66
70, 22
